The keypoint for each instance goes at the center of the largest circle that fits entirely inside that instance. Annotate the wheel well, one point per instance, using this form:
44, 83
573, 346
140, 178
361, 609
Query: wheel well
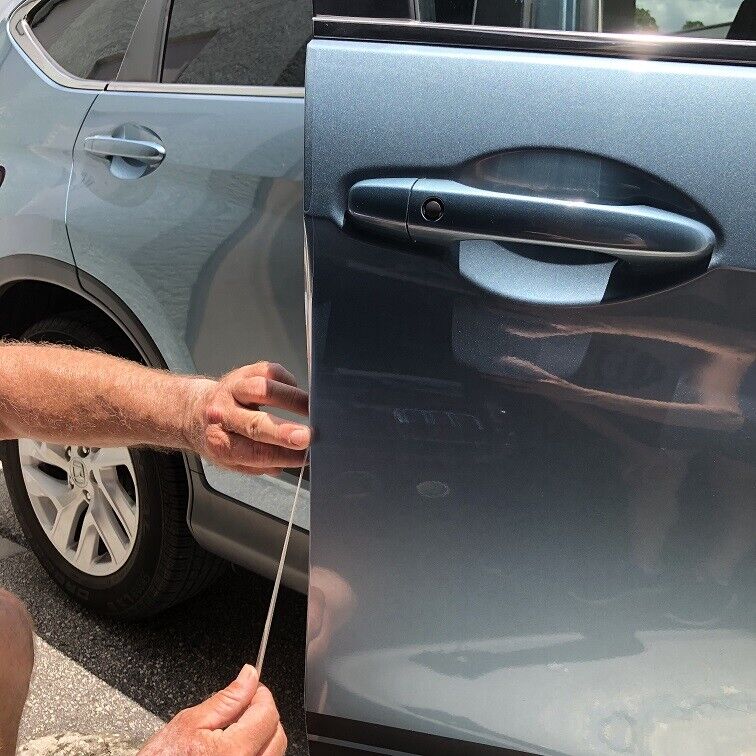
27, 302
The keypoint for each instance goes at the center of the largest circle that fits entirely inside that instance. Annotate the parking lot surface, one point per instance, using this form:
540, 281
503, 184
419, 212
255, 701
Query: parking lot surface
98, 676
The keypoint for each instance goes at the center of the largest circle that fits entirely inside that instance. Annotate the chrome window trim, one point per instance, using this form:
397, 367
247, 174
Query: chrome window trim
21, 33
158, 87
605, 44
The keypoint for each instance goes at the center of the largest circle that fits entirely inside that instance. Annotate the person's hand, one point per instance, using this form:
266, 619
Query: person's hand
240, 720
226, 426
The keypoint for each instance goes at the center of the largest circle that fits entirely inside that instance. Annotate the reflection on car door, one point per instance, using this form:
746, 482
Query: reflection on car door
533, 383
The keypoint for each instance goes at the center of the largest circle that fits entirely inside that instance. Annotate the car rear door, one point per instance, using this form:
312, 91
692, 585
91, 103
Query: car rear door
201, 236
533, 313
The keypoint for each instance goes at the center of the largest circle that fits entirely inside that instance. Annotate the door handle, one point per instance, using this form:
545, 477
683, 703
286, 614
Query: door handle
142, 151
438, 211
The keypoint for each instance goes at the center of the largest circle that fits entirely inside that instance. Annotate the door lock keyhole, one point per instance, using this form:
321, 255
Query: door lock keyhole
433, 209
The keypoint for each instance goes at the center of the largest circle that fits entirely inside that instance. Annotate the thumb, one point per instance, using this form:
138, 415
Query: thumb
227, 705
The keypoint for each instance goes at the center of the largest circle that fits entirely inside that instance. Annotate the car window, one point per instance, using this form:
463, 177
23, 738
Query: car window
714, 19
257, 42
88, 38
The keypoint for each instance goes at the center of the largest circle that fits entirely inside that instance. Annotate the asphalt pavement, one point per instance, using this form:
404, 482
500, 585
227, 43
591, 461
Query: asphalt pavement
118, 681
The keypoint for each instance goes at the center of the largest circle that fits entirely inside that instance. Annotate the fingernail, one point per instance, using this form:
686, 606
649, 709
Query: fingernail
299, 437
247, 675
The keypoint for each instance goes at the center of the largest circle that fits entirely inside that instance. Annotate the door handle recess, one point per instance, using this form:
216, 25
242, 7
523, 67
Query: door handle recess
149, 153
438, 211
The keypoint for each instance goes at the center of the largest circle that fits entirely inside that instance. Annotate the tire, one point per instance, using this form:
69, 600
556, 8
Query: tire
160, 564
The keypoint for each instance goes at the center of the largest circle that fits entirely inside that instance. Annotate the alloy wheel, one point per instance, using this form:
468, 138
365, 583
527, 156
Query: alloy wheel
86, 501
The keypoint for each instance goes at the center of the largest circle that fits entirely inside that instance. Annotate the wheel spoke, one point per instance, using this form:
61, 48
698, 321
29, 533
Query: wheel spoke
109, 530
121, 504
89, 539
63, 530
39, 483
111, 457
51, 454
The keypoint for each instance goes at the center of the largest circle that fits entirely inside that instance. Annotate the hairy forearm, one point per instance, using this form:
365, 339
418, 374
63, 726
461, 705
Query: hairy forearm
64, 395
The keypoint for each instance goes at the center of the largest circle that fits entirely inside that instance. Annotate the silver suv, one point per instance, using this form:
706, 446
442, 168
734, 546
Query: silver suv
151, 207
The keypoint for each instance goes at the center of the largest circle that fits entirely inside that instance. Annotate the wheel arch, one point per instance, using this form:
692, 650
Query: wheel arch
33, 287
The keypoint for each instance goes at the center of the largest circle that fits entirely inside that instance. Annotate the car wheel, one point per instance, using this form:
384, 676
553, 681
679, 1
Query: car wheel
109, 525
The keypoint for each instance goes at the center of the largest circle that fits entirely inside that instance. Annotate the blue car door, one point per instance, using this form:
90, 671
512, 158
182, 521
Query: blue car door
186, 193
533, 332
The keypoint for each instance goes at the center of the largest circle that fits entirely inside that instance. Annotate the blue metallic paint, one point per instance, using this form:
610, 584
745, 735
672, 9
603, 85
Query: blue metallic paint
38, 122
207, 246
484, 467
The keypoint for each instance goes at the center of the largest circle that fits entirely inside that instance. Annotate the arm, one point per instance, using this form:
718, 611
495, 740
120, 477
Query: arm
66, 395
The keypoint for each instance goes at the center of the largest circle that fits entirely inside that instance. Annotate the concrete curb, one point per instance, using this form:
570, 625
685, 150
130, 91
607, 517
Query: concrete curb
75, 744
66, 698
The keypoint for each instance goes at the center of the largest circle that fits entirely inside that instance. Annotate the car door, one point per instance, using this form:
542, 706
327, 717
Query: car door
186, 194
533, 312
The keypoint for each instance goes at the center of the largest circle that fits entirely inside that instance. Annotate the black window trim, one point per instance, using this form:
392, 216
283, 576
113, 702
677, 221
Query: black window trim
635, 46
143, 59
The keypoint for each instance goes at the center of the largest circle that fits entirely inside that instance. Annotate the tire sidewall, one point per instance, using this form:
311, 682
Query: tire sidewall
124, 588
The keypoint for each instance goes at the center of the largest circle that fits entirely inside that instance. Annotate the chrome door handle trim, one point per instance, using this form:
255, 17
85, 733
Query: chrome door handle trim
146, 152
635, 233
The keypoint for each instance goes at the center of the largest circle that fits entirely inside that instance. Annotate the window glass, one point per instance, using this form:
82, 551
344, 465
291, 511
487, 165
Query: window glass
717, 19
88, 38
255, 42
367, 8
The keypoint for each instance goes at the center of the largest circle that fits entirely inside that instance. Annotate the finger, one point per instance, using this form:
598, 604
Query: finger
227, 705
257, 725
277, 746
272, 370
257, 390
232, 450
273, 472
265, 428
246, 453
